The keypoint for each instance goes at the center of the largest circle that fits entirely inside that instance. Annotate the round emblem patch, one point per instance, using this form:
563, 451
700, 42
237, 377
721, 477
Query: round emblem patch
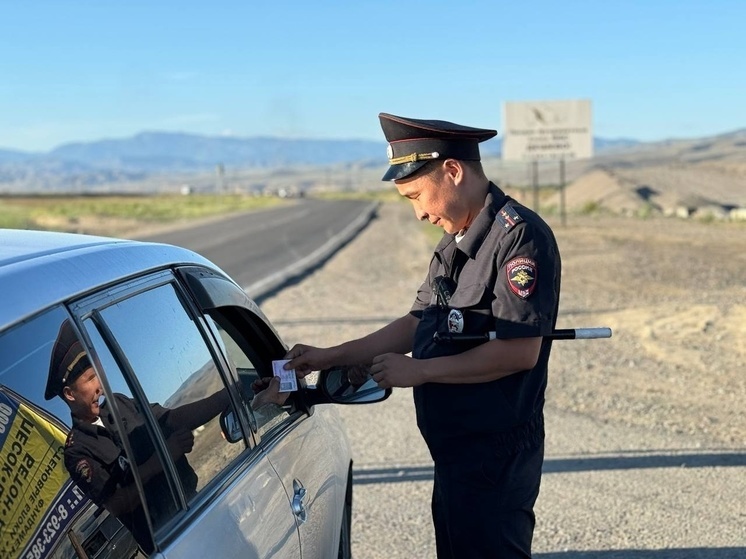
455, 321
522, 276
84, 470
389, 151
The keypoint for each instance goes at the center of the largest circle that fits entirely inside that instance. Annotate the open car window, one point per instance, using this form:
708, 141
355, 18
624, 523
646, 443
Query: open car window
252, 360
249, 342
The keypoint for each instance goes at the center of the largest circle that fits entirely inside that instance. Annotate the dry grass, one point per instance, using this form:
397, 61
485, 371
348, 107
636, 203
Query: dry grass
118, 215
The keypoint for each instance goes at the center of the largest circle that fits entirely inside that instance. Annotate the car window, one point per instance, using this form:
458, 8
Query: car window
159, 342
122, 412
40, 506
249, 343
251, 363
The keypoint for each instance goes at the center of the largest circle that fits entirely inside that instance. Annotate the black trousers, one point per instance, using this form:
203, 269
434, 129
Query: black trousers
483, 503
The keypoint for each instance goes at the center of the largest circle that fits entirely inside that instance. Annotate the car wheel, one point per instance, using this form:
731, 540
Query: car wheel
345, 532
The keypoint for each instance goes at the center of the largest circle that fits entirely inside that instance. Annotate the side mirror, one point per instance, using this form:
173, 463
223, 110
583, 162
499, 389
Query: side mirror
230, 426
347, 385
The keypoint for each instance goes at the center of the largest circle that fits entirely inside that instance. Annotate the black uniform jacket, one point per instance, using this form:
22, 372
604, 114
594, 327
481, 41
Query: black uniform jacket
98, 464
506, 271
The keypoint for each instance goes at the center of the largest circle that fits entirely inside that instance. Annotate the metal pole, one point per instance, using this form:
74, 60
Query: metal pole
221, 174
562, 192
535, 182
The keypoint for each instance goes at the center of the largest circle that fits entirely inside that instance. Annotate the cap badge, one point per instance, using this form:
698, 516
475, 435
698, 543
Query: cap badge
455, 321
522, 276
389, 152
413, 158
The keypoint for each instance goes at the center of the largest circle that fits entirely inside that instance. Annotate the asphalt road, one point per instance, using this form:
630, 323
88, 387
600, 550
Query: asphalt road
265, 250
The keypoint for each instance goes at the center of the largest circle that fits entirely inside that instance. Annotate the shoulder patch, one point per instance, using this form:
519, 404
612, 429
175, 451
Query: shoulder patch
508, 217
521, 273
84, 470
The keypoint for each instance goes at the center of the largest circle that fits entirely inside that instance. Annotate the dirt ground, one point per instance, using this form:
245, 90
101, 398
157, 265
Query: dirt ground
673, 290
674, 293
671, 377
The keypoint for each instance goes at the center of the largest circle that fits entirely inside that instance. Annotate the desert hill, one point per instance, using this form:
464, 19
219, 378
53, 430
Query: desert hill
703, 177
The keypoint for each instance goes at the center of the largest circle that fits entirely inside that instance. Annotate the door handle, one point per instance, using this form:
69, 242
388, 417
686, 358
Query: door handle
298, 506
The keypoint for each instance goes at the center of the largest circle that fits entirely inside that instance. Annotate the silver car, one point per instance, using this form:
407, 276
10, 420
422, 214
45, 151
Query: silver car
163, 328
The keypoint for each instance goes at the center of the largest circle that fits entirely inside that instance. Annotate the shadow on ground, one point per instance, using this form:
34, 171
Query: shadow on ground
632, 461
683, 553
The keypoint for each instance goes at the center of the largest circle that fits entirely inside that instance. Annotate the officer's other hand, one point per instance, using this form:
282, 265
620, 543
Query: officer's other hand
180, 443
395, 370
305, 359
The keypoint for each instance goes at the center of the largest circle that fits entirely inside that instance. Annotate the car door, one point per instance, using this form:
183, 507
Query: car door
155, 352
307, 447
312, 459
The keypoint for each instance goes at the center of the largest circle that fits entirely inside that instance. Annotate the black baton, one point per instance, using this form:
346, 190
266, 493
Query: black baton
560, 334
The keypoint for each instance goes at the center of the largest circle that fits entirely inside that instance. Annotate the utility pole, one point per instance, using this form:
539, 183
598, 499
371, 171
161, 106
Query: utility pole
220, 169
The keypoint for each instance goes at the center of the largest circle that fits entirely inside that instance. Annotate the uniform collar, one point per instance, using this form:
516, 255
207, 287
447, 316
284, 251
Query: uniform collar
91, 428
85, 426
482, 224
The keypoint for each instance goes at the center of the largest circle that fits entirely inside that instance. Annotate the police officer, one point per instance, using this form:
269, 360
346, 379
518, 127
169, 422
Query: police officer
476, 333
94, 454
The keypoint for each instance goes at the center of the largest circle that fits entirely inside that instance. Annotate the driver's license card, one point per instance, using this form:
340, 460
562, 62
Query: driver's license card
288, 382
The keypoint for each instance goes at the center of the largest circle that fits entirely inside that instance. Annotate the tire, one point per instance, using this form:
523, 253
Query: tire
345, 532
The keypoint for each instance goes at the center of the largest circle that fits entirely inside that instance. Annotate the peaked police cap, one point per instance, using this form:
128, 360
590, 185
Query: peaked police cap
413, 142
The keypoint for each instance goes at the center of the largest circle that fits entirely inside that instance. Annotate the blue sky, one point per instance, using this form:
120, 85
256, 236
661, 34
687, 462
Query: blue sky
79, 71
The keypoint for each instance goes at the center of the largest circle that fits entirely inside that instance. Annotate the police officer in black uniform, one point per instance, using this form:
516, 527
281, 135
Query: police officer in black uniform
476, 333
94, 454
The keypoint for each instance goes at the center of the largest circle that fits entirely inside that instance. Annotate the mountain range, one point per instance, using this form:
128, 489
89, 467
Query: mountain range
153, 153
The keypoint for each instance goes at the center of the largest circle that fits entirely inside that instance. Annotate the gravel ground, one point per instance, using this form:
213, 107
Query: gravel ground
646, 432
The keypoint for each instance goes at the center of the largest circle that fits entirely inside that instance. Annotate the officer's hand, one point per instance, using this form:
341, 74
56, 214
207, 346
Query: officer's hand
180, 443
396, 370
306, 359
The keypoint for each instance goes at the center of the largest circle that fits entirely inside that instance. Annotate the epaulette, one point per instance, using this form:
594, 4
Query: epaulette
508, 217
